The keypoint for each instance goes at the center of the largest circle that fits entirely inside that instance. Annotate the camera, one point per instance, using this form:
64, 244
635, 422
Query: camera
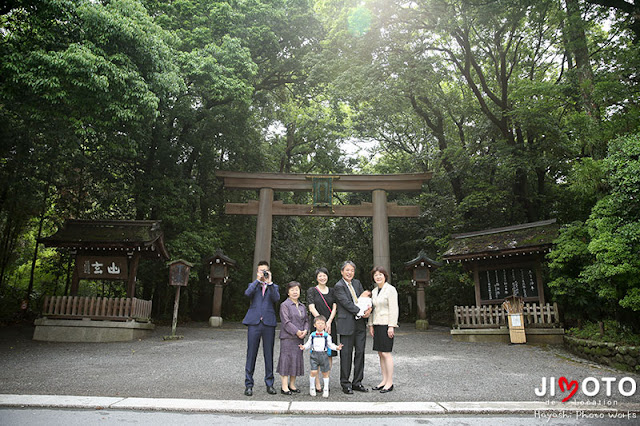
265, 274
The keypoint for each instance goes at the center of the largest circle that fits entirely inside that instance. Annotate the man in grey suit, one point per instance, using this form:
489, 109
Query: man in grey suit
352, 331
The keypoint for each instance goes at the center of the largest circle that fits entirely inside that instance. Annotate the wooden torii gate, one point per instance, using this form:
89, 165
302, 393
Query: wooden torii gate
323, 187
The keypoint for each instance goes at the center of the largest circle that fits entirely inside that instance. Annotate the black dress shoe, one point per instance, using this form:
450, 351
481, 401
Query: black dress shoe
347, 390
296, 390
383, 390
271, 390
286, 392
360, 388
377, 387
248, 391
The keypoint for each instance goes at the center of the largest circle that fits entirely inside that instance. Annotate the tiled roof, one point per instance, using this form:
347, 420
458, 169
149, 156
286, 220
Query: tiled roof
525, 238
140, 235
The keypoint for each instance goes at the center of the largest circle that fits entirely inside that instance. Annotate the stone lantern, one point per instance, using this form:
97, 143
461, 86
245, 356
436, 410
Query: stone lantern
178, 277
421, 267
218, 276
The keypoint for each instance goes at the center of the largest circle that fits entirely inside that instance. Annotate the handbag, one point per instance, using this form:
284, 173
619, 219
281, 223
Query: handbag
327, 305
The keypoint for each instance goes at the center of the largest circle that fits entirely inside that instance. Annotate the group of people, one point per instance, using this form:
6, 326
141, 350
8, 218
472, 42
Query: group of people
341, 316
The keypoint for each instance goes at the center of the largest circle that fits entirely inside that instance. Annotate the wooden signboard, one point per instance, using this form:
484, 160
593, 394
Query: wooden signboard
514, 306
516, 329
91, 267
498, 284
179, 274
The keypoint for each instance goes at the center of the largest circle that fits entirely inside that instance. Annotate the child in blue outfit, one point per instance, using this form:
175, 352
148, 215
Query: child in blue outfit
320, 342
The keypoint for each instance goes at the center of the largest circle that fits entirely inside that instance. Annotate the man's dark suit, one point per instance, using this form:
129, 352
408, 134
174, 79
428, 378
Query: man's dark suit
261, 320
353, 333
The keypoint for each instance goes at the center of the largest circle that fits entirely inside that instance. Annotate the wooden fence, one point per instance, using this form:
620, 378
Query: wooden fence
98, 308
494, 316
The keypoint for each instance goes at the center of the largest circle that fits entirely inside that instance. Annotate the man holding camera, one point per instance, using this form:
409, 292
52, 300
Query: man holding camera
261, 321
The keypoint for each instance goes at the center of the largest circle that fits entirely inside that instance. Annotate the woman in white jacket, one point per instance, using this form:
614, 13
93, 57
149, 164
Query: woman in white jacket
382, 324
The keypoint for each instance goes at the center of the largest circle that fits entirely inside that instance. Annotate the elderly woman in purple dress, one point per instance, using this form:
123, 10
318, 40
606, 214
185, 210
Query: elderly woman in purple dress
294, 326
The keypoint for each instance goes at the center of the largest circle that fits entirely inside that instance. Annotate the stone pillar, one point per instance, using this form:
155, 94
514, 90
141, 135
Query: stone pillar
263, 229
215, 320
381, 256
217, 299
420, 301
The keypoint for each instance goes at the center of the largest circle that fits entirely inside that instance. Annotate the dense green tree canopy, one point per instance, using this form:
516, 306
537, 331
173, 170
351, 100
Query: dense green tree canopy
524, 110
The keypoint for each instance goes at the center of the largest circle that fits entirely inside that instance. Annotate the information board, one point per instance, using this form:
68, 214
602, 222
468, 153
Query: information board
500, 283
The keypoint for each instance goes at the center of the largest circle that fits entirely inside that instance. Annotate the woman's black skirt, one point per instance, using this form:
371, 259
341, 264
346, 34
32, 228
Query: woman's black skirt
381, 340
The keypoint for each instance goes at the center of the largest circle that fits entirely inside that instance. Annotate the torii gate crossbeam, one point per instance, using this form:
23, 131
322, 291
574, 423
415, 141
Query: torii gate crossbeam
379, 209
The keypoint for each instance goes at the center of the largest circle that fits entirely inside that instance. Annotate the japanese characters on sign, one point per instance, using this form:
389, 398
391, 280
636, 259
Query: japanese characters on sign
501, 283
179, 274
102, 267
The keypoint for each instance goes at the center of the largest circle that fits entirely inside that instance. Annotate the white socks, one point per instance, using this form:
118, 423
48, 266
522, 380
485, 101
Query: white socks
312, 387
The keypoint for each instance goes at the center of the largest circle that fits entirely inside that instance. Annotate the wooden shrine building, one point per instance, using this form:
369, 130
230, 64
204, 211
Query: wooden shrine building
505, 262
109, 249
103, 250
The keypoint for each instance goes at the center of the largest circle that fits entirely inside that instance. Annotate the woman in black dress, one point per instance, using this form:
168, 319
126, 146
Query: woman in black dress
321, 301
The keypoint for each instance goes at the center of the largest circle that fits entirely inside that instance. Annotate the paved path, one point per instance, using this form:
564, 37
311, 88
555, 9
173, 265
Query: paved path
205, 372
84, 417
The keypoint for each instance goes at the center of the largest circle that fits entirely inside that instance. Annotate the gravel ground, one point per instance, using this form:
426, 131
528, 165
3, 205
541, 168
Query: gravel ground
209, 364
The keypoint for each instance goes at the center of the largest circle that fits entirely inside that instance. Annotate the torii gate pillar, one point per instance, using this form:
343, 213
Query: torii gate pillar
381, 255
264, 228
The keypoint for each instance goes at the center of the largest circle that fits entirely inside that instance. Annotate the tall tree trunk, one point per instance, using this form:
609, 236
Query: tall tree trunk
437, 127
576, 40
35, 250
10, 235
521, 193
290, 137
577, 46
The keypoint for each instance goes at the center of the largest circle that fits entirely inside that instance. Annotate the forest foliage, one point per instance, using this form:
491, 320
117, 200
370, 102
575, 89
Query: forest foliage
124, 109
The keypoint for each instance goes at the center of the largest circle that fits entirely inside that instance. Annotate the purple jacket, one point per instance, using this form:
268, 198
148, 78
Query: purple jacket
292, 319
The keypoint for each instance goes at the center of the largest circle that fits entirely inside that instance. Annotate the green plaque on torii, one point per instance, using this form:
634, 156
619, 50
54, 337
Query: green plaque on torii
322, 191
